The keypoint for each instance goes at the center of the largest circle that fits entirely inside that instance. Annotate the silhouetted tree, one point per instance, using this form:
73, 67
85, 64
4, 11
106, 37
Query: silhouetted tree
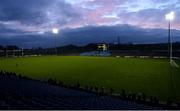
1, 47
11, 47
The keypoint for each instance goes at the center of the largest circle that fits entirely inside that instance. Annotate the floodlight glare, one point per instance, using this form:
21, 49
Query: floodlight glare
170, 16
55, 31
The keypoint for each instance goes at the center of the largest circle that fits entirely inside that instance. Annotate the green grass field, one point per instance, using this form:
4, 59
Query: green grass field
151, 76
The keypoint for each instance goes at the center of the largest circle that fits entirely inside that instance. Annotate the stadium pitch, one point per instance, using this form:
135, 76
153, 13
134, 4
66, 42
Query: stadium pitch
154, 77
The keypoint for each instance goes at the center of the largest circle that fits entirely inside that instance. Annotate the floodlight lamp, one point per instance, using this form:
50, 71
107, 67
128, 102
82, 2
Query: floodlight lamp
55, 31
170, 16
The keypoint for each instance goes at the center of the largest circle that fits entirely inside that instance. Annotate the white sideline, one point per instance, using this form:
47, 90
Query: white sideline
173, 63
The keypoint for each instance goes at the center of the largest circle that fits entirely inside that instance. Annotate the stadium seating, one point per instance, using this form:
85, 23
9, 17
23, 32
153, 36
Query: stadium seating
96, 53
23, 93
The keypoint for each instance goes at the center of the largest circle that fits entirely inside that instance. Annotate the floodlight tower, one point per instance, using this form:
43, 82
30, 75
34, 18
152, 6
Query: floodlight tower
55, 31
170, 17
22, 50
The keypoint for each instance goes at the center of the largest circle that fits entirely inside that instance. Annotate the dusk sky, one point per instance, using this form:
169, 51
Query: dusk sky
38, 17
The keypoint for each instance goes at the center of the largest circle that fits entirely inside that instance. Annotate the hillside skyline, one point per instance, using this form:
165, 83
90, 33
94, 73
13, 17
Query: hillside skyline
93, 34
31, 22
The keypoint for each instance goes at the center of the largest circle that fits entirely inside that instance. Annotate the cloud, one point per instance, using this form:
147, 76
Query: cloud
43, 14
152, 16
93, 34
33, 18
143, 13
24, 11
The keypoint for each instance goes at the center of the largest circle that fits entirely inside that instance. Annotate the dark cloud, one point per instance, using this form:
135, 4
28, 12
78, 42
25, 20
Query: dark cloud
23, 10
32, 20
35, 11
7, 32
94, 34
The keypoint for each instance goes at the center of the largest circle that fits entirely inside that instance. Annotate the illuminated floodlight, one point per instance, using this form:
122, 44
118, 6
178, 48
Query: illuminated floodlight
55, 30
170, 16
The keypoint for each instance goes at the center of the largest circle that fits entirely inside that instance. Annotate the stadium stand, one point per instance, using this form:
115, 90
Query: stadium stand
96, 53
17, 92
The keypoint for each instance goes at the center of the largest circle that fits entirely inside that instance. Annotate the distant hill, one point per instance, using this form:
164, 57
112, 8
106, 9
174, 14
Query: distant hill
93, 34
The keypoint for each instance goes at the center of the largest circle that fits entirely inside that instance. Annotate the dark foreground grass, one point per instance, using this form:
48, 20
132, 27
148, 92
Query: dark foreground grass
153, 77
